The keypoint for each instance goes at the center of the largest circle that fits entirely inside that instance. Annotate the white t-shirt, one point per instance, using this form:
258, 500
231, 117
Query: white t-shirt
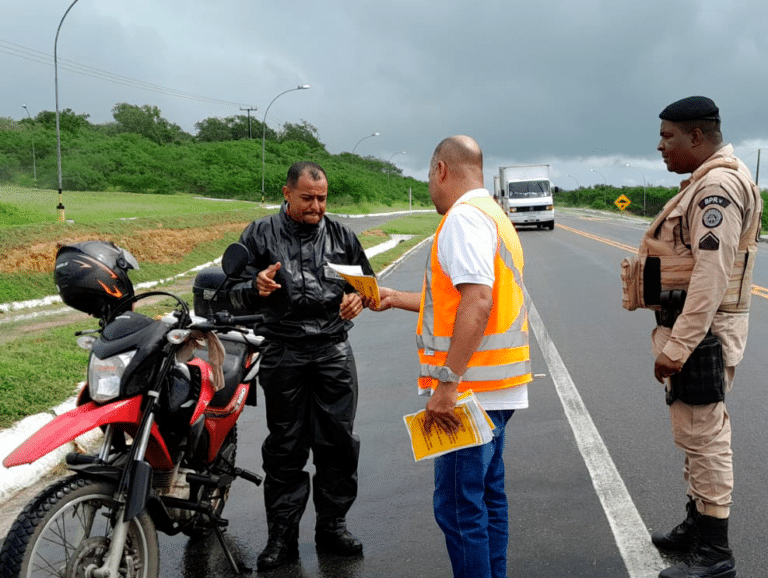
466, 248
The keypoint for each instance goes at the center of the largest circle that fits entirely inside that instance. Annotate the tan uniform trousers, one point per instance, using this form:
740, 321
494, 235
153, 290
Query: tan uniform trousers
703, 432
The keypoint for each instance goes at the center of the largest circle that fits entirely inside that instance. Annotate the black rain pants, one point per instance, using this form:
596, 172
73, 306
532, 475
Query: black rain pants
311, 400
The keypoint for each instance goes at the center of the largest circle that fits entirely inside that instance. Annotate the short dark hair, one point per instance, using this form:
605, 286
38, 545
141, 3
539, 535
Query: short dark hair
710, 128
315, 172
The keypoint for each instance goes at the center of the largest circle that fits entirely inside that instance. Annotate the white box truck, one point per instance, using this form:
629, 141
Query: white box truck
525, 194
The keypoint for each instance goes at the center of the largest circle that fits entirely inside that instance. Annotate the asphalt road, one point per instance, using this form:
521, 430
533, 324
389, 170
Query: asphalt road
573, 279
558, 525
591, 467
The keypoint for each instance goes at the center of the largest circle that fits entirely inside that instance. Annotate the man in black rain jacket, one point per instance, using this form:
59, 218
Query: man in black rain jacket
307, 369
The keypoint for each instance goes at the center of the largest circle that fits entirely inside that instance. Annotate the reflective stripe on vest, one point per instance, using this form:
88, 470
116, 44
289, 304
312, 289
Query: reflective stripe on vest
502, 358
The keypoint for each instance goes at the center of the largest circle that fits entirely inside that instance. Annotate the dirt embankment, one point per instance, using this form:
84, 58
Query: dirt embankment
148, 246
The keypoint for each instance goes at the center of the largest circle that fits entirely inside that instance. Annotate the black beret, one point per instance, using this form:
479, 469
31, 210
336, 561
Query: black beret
691, 108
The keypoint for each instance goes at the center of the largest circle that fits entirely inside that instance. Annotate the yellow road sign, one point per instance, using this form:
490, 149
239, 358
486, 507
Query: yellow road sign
622, 202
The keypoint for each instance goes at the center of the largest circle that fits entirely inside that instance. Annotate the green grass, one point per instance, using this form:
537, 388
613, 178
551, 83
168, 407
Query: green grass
367, 208
382, 260
417, 224
22, 206
40, 370
32, 206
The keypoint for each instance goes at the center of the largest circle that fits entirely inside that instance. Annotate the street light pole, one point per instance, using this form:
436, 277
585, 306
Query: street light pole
362, 139
34, 163
642, 175
578, 186
389, 168
60, 206
264, 132
605, 197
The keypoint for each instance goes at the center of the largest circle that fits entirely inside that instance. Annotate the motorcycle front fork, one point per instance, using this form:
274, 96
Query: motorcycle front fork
110, 567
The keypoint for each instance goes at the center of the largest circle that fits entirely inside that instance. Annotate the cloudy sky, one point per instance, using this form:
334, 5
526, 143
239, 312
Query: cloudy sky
577, 84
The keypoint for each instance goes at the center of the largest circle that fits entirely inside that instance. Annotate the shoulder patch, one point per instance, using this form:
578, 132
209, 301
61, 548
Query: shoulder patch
709, 242
712, 218
714, 200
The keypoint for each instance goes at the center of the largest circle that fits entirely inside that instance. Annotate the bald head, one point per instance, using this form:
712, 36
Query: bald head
461, 154
456, 167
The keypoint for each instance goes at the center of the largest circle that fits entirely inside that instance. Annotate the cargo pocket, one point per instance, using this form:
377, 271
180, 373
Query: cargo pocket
702, 378
631, 283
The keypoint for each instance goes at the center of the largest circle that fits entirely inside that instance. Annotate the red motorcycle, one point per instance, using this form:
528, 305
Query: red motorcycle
168, 412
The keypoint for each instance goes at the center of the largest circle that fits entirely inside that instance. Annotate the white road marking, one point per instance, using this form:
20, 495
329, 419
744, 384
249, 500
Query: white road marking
641, 558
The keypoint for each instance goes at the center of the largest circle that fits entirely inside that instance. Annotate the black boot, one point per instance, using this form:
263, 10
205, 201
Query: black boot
682, 537
711, 557
333, 536
282, 546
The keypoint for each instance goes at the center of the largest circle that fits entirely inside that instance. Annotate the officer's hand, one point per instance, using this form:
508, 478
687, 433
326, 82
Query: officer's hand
665, 367
386, 296
265, 280
351, 306
440, 409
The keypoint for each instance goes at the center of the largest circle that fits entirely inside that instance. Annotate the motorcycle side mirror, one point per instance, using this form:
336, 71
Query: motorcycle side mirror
235, 259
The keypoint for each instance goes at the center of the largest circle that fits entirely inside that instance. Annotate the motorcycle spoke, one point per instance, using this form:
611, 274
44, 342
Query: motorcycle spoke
71, 527
50, 568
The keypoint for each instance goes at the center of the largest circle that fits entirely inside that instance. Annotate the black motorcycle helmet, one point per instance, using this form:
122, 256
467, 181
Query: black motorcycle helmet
92, 276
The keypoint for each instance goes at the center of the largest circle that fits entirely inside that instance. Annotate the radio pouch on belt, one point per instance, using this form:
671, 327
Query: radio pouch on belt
640, 281
702, 379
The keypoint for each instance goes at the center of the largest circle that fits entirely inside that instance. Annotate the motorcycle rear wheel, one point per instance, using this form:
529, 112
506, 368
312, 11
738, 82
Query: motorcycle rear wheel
67, 527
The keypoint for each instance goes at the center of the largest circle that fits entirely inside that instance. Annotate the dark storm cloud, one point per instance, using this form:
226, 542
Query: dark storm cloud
576, 84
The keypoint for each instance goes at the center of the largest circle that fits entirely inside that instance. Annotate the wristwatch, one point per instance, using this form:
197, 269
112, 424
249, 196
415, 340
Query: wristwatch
447, 375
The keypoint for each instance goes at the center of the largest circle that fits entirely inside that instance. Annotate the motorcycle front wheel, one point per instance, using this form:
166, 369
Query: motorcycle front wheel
68, 527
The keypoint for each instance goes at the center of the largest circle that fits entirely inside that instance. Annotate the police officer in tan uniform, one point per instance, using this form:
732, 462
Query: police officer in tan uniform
698, 256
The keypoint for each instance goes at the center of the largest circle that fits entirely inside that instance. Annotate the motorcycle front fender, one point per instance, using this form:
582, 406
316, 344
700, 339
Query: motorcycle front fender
68, 426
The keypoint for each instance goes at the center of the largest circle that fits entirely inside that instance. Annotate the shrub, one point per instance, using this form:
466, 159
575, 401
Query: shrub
9, 167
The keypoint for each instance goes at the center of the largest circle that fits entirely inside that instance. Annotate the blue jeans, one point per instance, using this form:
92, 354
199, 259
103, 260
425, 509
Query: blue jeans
471, 505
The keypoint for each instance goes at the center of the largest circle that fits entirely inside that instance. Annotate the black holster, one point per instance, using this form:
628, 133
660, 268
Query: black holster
671, 303
702, 379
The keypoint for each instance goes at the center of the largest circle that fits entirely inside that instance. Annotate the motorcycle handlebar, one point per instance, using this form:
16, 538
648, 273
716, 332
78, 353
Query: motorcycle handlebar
225, 321
226, 318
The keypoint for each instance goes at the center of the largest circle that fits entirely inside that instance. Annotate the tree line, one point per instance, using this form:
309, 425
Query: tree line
644, 201
142, 152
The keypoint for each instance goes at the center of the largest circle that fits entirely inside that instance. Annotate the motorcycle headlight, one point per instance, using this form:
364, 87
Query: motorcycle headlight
104, 376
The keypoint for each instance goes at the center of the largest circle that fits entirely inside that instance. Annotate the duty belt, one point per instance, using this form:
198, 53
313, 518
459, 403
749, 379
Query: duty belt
667, 317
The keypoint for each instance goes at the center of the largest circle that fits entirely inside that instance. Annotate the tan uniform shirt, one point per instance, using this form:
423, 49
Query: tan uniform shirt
710, 224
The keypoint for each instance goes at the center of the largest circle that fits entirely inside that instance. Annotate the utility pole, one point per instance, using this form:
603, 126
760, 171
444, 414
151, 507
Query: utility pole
60, 206
249, 119
757, 172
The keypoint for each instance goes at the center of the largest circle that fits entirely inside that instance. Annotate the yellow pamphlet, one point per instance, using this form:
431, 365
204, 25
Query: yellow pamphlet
366, 285
476, 429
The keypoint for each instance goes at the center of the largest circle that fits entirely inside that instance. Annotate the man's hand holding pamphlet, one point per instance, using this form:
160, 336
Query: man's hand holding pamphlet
476, 429
366, 285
